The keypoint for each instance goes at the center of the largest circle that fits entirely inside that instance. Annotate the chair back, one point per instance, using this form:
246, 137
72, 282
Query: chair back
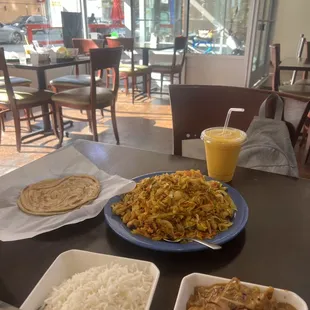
307, 45
127, 44
180, 45
195, 108
300, 49
7, 81
102, 59
275, 61
84, 45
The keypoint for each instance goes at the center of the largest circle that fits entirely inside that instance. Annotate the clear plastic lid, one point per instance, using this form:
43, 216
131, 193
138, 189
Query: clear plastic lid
217, 134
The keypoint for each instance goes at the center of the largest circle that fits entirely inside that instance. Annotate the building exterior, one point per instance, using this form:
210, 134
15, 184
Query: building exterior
11, 9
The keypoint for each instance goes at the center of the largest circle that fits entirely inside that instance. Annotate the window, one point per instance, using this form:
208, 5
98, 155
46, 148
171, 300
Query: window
218, 27
161, 18
105, 17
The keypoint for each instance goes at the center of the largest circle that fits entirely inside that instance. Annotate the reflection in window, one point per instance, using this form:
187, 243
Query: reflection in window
218, 27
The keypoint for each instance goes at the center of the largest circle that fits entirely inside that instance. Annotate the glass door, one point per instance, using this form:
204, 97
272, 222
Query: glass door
161, 18
260, 58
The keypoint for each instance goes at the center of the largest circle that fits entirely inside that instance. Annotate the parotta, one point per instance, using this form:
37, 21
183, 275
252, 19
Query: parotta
58, 196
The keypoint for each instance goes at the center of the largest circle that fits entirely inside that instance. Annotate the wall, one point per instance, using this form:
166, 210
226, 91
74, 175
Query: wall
11, 9
292, 19
215, 70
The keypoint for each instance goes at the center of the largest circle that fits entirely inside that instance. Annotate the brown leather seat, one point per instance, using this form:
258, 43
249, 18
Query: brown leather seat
74, 81
26, 96
81, 96
15, 81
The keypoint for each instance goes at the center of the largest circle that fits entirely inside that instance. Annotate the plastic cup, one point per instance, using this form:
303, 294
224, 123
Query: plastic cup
23, 60
222, 151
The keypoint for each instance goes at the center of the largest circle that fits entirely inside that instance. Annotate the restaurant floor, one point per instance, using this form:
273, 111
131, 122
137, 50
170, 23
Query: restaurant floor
144, 125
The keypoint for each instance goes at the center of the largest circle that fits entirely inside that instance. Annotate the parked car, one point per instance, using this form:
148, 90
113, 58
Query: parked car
11, 34
22, 21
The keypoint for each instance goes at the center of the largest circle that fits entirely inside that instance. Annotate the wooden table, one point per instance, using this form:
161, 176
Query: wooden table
42, 84
272, 250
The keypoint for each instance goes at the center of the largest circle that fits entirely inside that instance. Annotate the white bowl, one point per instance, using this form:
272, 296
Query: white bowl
74, 261
197, 279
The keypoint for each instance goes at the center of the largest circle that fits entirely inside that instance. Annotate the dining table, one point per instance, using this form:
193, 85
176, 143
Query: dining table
43, 84
272, 250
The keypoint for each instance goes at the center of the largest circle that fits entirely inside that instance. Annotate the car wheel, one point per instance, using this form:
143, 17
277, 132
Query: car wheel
17, 38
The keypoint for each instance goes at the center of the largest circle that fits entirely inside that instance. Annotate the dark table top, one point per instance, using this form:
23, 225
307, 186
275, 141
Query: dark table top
302, 64
272, 250
158, 47
50, 65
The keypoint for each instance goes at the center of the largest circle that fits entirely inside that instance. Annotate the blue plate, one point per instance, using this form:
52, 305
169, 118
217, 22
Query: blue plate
239, 221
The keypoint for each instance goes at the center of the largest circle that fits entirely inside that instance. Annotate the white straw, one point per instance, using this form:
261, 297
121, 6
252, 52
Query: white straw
228, 116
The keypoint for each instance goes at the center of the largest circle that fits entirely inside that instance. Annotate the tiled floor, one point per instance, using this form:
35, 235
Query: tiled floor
145, 125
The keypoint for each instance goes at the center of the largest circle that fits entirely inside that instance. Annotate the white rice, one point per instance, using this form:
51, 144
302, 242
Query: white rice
110, 287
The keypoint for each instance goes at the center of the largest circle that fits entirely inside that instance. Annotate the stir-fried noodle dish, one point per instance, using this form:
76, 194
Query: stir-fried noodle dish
177, 206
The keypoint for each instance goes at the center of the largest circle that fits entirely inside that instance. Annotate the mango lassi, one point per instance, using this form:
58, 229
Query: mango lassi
222, 151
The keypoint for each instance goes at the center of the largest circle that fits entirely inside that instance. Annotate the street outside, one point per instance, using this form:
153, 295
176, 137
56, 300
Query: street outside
53, 36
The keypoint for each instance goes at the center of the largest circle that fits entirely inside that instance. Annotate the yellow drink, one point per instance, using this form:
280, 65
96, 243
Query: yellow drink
222, 151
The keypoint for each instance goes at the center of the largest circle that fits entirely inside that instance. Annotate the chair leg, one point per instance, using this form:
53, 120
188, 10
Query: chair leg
60, 124
180, 78
54, 120
113, 116
31, 113
27, 114
94, 125
102, 113
16, 118
148, 85
171, 78
126, 86
133, 82
2, 119
89, 121
161, 82
107, 79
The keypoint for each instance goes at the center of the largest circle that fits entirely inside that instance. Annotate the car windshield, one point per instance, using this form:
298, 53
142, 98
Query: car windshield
20, 19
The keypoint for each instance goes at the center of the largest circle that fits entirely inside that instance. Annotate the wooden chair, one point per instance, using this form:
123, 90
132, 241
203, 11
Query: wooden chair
297, 89
180, 45
305, 80
78, 80
300, 88
131, 70
195, 108
93, 97
301, 46
16, 81
22, 98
